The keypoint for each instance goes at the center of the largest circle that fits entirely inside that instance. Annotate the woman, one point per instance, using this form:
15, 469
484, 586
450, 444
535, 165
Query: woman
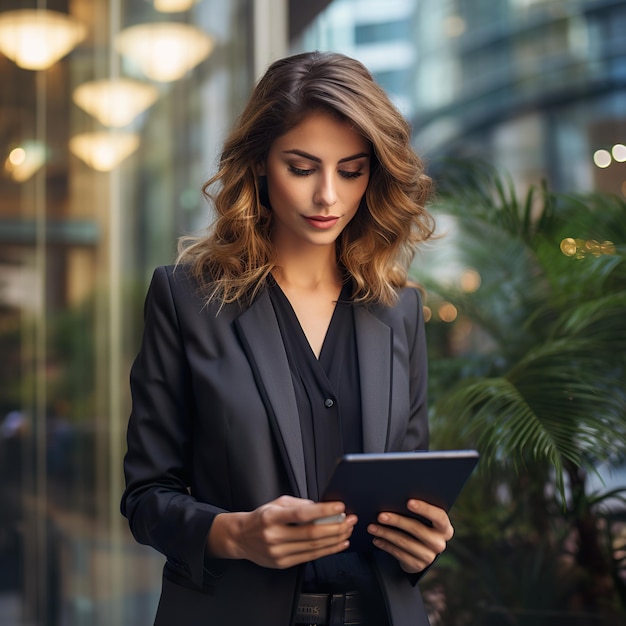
281, 340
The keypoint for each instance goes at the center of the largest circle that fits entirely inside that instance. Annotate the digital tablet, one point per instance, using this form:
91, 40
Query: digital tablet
371, 483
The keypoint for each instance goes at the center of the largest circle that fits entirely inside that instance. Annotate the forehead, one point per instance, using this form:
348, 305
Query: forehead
323, 134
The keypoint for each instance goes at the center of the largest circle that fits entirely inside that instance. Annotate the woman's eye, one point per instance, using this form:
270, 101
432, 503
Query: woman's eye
299, 171
350, 175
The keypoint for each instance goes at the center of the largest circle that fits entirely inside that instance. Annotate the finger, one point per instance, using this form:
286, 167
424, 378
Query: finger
413, 555
291, 510
413, 530
290, 559
407, 542
410, 562
307, 547
437, 517
289, 502
312, 532
435, 514
309, 513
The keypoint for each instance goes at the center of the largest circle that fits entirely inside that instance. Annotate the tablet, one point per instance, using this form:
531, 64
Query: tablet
371, 483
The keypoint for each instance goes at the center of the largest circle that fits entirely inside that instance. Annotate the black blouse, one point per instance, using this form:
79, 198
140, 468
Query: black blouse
328, 395
328, 391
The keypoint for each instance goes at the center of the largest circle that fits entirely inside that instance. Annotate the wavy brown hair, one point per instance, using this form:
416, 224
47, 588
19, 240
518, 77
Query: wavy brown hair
375, 249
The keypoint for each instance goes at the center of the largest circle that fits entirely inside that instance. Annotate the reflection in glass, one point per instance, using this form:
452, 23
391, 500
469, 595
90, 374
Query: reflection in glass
76, 252
173, 6
115, 102
164, 51
104, 151
24, 160
36, 39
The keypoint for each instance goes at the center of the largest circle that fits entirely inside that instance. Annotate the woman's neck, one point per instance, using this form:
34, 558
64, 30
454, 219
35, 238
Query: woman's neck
311, 281
308, 268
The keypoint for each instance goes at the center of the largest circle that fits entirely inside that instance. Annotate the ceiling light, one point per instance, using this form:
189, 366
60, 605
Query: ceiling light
115, 102
36, 39
173, 6
104, 151
164, 51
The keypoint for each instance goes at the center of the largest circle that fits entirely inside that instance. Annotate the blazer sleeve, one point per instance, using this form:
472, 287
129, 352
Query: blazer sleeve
156, 501
417, 435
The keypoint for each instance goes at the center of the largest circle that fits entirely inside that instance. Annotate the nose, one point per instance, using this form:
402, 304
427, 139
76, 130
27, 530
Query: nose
325, 193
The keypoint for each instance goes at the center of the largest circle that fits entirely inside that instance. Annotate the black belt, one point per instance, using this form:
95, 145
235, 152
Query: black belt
331, 609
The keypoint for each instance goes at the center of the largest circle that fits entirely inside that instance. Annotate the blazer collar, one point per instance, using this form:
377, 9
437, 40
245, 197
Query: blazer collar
374, 340
262, 341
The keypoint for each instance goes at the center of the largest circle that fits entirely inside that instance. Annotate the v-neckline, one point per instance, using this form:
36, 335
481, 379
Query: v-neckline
298, 325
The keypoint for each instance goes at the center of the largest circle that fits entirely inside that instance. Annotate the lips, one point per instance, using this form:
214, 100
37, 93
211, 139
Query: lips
322, 222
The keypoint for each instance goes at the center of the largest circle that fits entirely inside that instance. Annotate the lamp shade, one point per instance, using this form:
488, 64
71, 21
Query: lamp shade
173, 6
115, 102
36, 39
164, 51
104, 151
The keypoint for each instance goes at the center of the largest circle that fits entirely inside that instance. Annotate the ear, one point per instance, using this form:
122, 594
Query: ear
260, 168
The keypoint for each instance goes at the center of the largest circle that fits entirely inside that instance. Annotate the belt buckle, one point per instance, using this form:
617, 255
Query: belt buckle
313, 609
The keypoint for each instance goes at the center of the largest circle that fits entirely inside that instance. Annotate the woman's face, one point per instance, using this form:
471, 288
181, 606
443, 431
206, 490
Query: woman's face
317, 174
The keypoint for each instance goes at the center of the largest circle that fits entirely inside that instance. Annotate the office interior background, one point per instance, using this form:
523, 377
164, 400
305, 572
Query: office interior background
112, 114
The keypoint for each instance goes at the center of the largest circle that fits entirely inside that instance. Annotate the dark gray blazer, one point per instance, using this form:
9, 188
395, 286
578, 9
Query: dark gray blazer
214, 428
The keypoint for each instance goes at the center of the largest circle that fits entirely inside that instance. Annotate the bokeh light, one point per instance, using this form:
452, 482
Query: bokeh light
602, 158
580, 248
619, 152
447, 312
470, 280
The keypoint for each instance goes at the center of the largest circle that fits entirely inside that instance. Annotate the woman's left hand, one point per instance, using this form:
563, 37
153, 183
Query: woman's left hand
412, 542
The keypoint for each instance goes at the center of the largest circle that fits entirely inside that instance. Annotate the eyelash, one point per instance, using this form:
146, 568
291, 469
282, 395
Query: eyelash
347, 175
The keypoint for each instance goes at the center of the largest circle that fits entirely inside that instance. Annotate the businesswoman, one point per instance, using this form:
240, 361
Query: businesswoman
280, 340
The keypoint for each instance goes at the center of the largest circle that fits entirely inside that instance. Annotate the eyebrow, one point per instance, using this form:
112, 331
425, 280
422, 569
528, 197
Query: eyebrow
310, 157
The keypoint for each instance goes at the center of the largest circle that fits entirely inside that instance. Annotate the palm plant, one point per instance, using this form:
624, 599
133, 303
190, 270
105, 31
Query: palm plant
539, 388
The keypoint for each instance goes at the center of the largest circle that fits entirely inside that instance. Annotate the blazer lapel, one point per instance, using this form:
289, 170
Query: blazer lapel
263, 343
374, 341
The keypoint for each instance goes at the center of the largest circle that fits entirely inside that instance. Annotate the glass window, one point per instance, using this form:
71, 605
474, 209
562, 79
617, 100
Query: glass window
380, 32
394, 81
103, 154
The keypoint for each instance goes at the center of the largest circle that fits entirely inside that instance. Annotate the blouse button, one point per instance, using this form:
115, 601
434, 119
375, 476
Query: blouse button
329, 402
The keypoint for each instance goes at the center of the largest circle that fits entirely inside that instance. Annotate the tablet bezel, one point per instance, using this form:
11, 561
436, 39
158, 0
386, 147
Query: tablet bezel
370, 483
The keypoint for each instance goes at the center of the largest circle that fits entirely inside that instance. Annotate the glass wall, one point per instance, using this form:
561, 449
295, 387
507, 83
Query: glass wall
105, 142
533, 86
380, 34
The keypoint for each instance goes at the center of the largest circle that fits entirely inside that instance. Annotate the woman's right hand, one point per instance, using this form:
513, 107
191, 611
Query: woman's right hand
281, 533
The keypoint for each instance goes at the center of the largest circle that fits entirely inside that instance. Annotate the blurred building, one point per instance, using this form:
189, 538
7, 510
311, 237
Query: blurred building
379, 34
537, 87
